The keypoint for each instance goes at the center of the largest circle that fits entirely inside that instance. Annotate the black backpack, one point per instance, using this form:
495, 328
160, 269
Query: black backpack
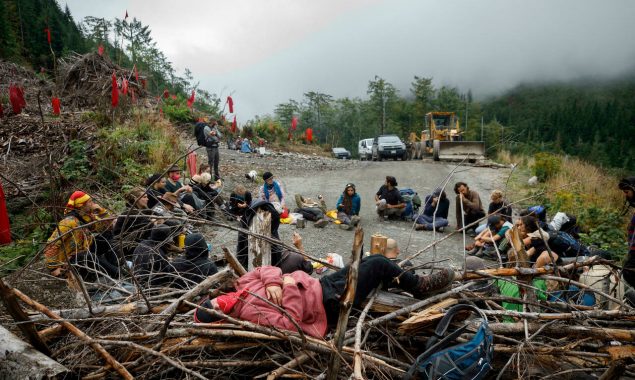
199, 132
566, 245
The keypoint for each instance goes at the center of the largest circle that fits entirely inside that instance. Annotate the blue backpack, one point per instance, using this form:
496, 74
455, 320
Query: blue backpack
566, 245
412, 201
442, 360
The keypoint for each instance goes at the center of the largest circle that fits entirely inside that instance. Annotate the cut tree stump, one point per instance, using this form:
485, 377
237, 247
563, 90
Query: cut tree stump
259, 249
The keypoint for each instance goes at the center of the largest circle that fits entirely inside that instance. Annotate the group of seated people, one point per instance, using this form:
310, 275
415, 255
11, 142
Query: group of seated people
140, 240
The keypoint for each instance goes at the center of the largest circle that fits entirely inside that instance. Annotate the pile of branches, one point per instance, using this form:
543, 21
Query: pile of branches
152, 334
85, 81
37, 89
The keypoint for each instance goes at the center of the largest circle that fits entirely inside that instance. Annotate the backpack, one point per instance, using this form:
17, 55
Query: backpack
442, 360
566, 245
199, 133
412, 201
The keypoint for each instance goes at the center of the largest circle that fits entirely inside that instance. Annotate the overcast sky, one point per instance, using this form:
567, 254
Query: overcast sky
266, 52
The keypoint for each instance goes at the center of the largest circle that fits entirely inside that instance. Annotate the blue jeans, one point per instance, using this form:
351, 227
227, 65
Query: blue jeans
426, 221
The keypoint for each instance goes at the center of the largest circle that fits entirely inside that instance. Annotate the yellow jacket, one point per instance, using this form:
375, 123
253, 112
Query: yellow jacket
64, 244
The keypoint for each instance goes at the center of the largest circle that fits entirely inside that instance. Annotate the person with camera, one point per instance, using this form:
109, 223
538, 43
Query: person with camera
212, 140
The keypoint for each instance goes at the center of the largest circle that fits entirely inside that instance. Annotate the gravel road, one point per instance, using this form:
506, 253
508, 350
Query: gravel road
313, 175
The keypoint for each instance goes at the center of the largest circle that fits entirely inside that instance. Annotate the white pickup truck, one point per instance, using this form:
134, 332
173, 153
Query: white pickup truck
365, 149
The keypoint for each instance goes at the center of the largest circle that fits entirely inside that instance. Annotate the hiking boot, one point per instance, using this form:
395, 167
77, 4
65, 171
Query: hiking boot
346, 226
355, 219
436, 281
321, 223
420, 227
440, 229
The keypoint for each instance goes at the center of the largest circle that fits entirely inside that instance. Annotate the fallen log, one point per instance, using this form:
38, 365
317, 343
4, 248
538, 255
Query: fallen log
19, 360
78, 333
565, 330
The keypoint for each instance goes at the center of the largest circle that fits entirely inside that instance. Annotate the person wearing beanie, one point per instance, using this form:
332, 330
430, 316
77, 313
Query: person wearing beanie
173, 184
313, 303
151, 265
212, 140
435, 212
484, 242
70, 242
272, 192
195, 265
388, 200
348, 206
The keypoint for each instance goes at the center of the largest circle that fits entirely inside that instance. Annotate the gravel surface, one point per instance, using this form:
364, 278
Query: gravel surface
311, 175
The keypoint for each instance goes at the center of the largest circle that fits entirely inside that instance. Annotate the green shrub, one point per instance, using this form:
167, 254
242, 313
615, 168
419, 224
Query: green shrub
101, 119
177, 111
546, 165
76, 166
603, 228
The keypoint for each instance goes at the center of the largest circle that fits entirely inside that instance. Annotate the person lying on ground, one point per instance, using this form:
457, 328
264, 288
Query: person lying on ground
313, 304
293, 261
151, 265
312, 210
135, 223
435, 212
388, 201
81, 238
173, 184
493, 235
472, 206
348, 206
195, 265
272, 192
392, 252
239, 201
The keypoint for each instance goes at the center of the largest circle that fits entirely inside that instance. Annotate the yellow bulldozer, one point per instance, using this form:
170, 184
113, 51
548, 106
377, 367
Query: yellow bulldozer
443, 139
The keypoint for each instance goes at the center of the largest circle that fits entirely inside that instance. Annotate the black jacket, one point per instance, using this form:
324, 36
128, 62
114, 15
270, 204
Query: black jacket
195, 265
151, 265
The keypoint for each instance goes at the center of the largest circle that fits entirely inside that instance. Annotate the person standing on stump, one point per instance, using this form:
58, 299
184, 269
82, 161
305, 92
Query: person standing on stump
212, 141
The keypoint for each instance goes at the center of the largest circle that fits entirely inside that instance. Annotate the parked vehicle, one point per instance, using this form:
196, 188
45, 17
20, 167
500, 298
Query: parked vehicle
365, 149
388, 146
341, 153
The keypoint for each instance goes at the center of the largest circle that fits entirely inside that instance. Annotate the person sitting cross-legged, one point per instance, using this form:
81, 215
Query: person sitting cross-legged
348, 206
388, 200
435, 212
313, 304
493, 235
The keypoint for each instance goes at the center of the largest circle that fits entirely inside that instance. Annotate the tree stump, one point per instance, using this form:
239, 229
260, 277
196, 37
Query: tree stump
259, 249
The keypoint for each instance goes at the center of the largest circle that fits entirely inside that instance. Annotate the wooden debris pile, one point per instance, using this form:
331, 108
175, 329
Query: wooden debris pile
152, 334
85, 81
34, 86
